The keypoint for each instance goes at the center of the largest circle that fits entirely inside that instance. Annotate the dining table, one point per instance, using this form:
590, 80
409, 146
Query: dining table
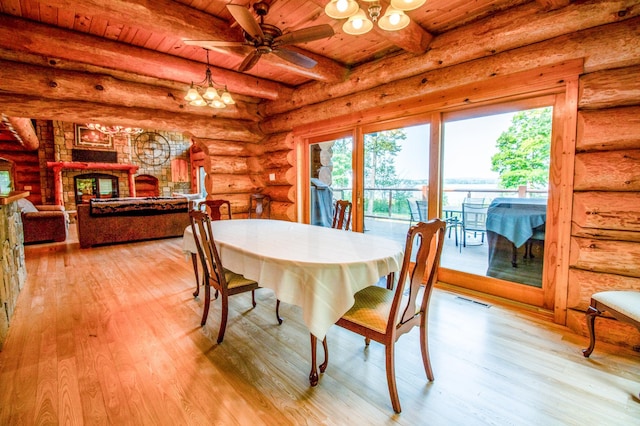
316, 268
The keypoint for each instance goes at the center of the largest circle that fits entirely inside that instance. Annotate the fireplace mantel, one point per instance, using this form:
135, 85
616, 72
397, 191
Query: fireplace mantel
59, 166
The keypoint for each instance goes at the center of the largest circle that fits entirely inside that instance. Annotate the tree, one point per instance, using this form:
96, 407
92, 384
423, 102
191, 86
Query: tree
380, 150
524, 150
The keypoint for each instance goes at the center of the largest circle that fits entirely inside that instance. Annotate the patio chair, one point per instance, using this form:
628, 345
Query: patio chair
474, 218
383, 314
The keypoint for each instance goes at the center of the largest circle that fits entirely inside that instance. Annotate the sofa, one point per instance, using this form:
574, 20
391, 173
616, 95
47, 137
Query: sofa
119, 220
43, 223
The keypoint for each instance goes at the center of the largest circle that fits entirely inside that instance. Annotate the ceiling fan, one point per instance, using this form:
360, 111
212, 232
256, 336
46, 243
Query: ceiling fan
263, 38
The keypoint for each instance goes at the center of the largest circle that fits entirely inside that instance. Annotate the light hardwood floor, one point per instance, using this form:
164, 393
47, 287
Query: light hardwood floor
111, 335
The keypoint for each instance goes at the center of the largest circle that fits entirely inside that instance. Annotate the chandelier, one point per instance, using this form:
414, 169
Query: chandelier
115, 130
204, 93
358, 23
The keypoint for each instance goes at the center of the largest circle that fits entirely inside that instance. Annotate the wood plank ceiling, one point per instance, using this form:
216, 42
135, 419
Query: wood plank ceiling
140, 43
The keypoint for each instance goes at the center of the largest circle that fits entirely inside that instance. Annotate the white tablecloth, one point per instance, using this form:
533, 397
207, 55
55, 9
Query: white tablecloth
316, 268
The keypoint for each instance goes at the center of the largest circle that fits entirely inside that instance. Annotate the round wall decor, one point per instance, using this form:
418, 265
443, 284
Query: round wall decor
152, 148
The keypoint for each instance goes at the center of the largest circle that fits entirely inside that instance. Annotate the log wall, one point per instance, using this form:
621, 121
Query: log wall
605, 243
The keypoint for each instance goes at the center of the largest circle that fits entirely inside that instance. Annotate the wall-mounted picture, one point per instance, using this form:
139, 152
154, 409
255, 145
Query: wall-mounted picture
92, 138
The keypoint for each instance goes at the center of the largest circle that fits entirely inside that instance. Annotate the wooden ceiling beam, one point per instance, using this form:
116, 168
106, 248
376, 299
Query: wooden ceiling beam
37, 81
14, 105
553, 4
174, 19
413, 38
27, 36
23, 130
525, 24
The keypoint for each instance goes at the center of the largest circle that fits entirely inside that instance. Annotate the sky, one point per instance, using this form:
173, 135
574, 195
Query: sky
468, 147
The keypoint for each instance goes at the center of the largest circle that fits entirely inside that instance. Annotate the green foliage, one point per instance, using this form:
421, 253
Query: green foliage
380, 150
341, 161
524, 150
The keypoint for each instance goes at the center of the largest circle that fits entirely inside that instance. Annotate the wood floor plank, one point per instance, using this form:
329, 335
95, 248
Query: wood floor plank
111, 335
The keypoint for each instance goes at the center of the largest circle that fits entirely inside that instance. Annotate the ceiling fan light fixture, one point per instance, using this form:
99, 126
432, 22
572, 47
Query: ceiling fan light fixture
357, 24
407, 4
341, 9
393, 20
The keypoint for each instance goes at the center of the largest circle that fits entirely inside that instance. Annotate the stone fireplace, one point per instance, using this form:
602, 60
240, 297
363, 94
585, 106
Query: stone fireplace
95, 185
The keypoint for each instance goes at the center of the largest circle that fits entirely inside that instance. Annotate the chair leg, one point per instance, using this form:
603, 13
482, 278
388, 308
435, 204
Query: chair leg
223, 319
194, 261
424, 347
207, 302
391, 377
591, 315
278, 311
253, 298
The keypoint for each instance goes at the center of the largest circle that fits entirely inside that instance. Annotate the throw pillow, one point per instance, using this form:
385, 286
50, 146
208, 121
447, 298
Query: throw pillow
26, 206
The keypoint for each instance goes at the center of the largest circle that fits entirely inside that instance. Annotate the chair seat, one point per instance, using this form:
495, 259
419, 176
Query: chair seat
625, 302
371, 308
236, 280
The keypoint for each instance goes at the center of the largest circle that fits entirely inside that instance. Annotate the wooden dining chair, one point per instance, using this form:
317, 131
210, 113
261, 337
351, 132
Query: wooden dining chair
383, 314
214, 208
342, 215
259, 206
217, 209
225, 282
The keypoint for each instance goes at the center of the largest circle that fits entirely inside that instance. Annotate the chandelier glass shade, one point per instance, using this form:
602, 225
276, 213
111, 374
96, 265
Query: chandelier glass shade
115, 130
206, 94
358, 22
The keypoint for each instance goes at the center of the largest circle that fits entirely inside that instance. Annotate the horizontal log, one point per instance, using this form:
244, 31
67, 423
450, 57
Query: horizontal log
576, 31
24, 130
280, 177
607, 330
57, 84
282, 160
225, 184
594, 129
217, 147
610, 88
605, 234
278, 142
614, 257
28, 36
408, 97
582, 284
86, 112
607, 171
285, 193
227, 165
283, 211
608, 210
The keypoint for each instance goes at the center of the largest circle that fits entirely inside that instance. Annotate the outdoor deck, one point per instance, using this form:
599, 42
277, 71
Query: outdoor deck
473, 258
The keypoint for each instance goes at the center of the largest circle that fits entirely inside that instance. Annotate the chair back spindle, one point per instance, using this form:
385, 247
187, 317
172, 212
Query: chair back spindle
342, 215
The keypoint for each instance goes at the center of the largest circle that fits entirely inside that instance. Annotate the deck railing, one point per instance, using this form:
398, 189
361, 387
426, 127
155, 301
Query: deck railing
391, 203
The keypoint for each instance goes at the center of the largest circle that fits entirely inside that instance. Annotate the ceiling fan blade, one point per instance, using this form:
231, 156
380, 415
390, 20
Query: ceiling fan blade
210, 44
296, 58
304, 35
249, 61
246, 20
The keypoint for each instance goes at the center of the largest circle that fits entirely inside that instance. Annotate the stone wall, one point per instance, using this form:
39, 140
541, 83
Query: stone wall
14, 272
59, 148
